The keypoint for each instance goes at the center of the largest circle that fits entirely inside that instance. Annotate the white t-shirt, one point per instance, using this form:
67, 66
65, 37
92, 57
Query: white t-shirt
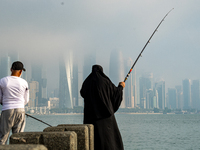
14, 92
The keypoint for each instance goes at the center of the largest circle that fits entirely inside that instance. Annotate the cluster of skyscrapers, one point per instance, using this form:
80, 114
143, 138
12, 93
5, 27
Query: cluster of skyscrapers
153, 95
37, 82
72, 76
140, 92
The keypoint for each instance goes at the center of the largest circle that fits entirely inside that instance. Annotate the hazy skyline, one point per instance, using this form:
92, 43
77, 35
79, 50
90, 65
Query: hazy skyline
42, 30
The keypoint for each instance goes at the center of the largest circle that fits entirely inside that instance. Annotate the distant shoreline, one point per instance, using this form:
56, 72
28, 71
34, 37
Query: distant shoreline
131, 113
140, 113
115, 113
66, 114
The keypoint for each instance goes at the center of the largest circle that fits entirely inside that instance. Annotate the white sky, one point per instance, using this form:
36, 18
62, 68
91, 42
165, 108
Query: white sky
43, 29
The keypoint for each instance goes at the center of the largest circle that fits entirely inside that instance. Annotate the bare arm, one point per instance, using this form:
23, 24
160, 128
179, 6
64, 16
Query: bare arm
1, 96
26, 96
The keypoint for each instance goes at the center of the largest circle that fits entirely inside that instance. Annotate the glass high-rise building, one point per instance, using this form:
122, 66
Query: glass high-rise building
6, 62
116, 67
145, 84
5, 66
186, 94
149, 99
36, 75
116, 70
33, 94
195, 93
66, 81
75, 89
160, 88
179, 93
172, 97
89, 61
130, 88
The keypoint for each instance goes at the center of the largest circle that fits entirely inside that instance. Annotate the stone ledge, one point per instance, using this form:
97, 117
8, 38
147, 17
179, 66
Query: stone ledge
52, 140
23, 147
81, 131
90, 129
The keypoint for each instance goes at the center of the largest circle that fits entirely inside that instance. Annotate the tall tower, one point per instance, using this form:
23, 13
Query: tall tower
80, 82
160, 88
75, 89
116, 70
36, 72
179, 93
89, 61
173, 103
66, 81
135, 87
44, 84
6, 62
195, 94
5, 66
186, 94
145, 84
129, 88
149, 99
33, 98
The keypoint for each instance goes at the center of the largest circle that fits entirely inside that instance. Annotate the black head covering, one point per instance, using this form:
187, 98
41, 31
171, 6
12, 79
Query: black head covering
97, 68
99, 95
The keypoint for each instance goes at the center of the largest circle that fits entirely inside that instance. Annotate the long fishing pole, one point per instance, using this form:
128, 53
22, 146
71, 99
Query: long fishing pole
140, 55
38, 119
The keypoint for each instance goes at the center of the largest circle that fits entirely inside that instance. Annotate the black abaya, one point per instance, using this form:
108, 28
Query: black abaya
101, 100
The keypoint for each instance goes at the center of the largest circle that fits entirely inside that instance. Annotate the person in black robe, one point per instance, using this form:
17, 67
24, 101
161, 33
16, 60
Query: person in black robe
101, 100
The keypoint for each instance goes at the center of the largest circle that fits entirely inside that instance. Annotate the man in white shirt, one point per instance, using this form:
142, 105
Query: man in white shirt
14, 95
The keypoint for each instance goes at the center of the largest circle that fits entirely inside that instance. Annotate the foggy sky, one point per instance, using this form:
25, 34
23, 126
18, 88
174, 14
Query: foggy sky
44, 29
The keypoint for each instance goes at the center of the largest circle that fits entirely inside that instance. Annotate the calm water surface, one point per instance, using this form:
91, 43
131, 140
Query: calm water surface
140, 131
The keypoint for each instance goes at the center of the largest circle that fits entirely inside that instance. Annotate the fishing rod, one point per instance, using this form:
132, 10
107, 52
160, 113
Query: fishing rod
140, 55
37, 119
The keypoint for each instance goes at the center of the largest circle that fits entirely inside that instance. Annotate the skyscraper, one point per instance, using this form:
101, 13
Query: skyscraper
89, 61
149, 99
116, 70
173, 103
80, 82
186, 94
5, 66
155, 99
160, 88
6, 62
33, 91
179, 93
75, 89
195, 93
66, 81
36, 75
44, 84
145, 84
130, 88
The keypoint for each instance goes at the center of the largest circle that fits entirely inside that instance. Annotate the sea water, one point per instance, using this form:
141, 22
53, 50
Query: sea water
140, 131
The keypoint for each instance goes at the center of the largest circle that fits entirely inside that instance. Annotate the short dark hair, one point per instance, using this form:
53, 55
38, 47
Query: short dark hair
17, 65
